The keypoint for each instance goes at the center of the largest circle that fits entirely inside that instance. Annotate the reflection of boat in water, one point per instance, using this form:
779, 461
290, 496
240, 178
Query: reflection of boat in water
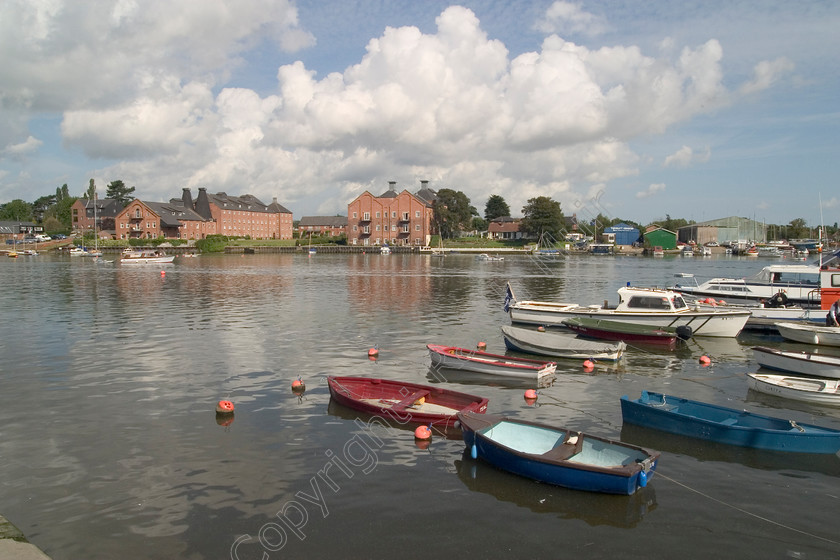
718, 452
379, 423
593, 509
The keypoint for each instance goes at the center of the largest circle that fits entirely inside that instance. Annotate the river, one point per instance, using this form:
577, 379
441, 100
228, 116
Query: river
111, 447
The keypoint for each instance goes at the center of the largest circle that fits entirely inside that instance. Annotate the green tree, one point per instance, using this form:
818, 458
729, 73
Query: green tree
452, 212
542, 215
496, 207
62, 192
40, 206
61, 212
90, 193
16, 210
118, 191
797, 229
479, 224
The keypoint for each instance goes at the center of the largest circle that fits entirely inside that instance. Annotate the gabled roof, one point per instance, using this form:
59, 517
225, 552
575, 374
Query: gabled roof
427, 195
105, 207
171, 214
246, 203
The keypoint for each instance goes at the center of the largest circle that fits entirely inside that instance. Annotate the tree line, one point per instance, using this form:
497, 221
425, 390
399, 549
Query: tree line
53, 211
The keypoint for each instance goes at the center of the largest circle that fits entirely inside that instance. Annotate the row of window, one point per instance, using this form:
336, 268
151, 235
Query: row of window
366, 215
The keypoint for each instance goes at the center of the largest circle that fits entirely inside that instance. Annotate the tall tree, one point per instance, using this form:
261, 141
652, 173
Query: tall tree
16, 210
40, 206
496, 207
61, 212
118, 191
452, 212
90, 193
62, 192
542, 215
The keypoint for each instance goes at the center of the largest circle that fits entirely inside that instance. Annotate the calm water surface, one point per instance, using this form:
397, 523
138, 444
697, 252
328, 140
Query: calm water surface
110, 445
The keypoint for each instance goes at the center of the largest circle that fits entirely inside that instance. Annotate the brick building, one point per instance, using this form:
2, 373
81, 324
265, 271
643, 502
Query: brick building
82, 214
332, 226
394, 218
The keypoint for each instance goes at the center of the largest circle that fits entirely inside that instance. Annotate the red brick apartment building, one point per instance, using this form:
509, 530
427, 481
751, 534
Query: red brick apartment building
209, 214
394, 218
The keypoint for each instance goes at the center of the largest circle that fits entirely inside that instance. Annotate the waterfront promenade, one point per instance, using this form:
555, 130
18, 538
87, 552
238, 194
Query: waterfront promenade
14, 546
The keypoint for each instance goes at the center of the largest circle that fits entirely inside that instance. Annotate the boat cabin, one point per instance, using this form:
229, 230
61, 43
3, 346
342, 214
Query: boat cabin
649, 300
829, 285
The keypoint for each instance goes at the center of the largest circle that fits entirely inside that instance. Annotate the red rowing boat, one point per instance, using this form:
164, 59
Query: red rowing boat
403, 402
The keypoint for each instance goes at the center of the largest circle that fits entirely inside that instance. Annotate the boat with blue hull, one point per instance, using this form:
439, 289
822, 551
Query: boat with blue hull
557, 455
726, 425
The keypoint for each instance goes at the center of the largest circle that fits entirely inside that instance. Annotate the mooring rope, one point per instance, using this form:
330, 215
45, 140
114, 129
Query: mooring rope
745, 512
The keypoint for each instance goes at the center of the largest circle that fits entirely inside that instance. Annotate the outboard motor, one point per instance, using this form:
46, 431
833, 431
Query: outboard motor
684, 332
779, 299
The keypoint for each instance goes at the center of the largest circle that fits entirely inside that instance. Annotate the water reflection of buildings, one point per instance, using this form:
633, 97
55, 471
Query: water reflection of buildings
593, 508
383, 282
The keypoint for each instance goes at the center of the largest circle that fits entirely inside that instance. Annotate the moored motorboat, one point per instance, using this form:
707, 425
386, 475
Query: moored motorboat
403, 402
807, 389
130, 256
726, 425
648, 306
604, 329
560, 345
484, 362
804, 363
558, 456
810, 333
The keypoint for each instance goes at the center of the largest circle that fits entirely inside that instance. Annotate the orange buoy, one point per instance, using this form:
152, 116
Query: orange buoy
721, 302
298, 386
163, 273
705, 360
541, 328
423, 433
530, 402
531, 394
482, 345
588, 364
224, 407
373, 352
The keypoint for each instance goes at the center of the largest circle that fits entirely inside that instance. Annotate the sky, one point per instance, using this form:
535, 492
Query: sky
628, 108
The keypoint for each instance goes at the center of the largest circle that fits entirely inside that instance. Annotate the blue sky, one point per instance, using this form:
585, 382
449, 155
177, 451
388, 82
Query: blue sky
632, 109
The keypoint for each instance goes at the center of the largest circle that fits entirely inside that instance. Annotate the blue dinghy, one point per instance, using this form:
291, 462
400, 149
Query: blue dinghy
557, 455
726, 425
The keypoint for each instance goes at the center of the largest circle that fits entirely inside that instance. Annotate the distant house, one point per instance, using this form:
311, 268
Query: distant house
656, 236
14, 229
82, 214
332, 226
724, 230
621, 234
504, 227
394, 218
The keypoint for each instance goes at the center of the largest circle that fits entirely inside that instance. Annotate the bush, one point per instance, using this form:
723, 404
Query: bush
212, 244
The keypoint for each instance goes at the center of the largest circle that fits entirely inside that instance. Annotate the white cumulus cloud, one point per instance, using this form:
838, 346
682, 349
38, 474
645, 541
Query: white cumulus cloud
651, 190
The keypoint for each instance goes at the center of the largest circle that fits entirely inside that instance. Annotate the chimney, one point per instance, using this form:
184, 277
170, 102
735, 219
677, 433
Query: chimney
202, 204
186, 198
392, 186
424, 184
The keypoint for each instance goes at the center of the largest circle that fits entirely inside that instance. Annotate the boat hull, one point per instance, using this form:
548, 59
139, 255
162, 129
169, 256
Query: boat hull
725, 425
616, 330
810, 334
557, 455
805, 363
491, 364
401, 401
806, 389
714, 322
560, 345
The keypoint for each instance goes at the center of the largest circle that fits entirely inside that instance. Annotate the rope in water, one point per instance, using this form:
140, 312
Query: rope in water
745, 512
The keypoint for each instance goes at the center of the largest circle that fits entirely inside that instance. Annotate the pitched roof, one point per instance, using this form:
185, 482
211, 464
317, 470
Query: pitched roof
246, 202
171, 213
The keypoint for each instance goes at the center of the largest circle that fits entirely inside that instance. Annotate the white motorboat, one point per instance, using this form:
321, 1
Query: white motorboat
130, 256
804, 363
645, 306
799, 283
479, 361
808, 389
560, 345
810, 334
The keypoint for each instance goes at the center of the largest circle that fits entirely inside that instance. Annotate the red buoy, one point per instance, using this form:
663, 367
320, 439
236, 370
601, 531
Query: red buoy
541, 328
588, 364
705, 360
423, 433
373, 352
482, 345
531, 394
163, 273
224, 407
298, 386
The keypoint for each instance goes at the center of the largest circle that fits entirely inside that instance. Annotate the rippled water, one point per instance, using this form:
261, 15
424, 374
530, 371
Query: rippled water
111, 447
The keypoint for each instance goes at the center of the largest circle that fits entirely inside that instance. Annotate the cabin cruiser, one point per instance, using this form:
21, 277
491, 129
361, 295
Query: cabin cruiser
787, 283
646, 306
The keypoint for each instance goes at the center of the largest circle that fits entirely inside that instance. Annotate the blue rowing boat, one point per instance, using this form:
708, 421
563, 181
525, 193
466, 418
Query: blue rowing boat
726, 425
557, 455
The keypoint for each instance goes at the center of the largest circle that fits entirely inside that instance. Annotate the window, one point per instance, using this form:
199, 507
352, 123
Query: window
377, 215
355, 214
366, 217
417, 227
394, 214
405, 216
417, 213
